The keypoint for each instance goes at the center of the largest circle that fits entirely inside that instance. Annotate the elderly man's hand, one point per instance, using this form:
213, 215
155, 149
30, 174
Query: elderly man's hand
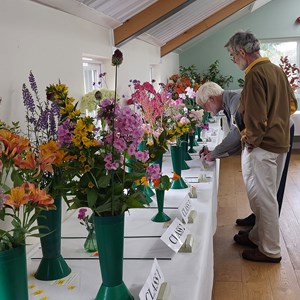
203, 151
208, 157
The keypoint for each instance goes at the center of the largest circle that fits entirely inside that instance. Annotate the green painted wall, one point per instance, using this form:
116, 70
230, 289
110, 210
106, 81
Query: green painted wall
273, 20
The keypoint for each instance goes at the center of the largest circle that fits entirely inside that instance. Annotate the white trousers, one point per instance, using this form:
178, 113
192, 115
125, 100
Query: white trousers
262, 173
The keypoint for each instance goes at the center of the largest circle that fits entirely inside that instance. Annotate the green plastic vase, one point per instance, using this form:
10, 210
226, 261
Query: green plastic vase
195, 140
110, 241
90, 243
176, 155
191, 143
185, 154
13, 274
52, 266
198, 131
160, 216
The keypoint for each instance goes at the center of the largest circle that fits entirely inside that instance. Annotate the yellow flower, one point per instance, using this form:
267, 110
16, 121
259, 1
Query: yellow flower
82, 159
87, 142
87, 168
144, 181
91, 185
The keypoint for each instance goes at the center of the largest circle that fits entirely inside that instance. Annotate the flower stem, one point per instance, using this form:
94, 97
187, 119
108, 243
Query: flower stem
113, 138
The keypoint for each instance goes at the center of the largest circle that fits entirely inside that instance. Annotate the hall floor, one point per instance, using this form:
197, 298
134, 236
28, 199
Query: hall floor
236, 278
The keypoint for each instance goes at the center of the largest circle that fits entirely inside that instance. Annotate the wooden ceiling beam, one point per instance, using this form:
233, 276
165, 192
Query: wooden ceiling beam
147, 18
204, 25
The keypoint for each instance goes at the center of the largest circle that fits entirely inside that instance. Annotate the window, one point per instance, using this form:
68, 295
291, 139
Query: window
91, 71
274, 49
277, 48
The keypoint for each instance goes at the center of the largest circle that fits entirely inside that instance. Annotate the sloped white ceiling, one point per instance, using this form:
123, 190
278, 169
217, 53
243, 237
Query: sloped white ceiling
113, 13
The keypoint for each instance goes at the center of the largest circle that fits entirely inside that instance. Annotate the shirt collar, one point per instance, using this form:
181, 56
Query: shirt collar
254, 63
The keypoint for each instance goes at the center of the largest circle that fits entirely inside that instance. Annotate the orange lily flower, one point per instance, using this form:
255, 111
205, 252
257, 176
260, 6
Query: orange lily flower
17, 197
28, 163
40, 196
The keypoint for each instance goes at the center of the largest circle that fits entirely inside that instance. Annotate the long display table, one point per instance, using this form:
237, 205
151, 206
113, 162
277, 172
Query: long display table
190, 275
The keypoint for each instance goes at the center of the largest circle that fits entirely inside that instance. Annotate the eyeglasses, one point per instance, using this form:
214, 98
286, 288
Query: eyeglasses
233, 55
204, 104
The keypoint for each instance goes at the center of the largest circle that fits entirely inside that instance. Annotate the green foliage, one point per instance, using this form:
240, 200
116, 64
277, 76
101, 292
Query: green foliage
213, 74
241, 82
191, 73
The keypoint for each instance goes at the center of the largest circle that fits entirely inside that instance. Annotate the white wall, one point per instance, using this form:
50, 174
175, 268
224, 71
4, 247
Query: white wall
51, 43
48, 42
169, 66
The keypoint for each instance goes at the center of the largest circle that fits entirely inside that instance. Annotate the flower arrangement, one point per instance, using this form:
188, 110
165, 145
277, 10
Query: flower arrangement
159, 181
152, 106
31, 167
291, 71
22, 203
195, 117
91, 100
85, 219
165, 119
186, 83
176, 120
103, 149
43, 118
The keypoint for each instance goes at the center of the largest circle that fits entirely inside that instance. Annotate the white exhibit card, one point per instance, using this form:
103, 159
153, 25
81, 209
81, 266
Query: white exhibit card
153, 283
185, 208
175, 235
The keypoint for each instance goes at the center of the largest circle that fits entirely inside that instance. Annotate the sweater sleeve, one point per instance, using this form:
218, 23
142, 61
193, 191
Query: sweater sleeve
229, 145
255, 110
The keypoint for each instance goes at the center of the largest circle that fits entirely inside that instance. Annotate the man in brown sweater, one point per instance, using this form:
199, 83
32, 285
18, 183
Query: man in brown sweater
265, 106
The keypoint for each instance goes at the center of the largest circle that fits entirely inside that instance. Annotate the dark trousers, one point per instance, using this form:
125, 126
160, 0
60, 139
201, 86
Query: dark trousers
281, 188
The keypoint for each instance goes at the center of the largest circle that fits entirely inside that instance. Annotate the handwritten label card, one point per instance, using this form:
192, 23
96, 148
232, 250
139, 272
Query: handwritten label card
175, 235
185, 208
153, 283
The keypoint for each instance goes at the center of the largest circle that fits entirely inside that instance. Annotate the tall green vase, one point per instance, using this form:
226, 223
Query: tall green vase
110, 241
191, 143
160, 216
185, 154
13, 274
198, 131
176, 155
52, 266
195, 140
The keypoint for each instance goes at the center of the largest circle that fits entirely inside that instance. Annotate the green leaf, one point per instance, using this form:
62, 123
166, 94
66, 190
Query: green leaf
16, 178
104, 181
91, 197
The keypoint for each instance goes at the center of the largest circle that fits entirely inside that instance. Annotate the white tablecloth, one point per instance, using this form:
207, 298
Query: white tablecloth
190, 275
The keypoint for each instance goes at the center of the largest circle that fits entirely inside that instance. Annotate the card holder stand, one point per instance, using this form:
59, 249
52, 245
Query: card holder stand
164, 291
192, 216
187, 246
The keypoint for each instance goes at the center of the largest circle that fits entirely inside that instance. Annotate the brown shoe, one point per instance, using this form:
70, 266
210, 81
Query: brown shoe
246, 231
248, 221
256, 255
243, 239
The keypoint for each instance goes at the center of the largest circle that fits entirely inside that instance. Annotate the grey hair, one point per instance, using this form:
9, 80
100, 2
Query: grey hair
207, 90
243, 40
